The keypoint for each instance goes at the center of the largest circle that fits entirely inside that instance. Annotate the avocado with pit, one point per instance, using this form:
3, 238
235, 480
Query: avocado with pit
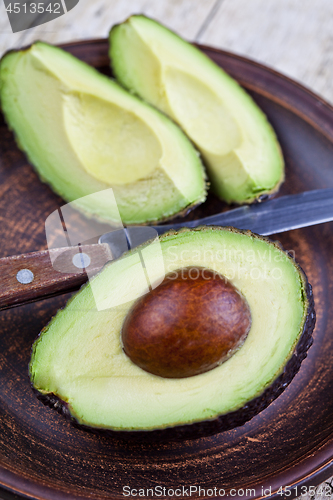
237, 144
84, 134
201, 339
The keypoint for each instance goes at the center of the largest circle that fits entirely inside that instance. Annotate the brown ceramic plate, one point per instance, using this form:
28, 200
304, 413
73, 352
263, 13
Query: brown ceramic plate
290, 443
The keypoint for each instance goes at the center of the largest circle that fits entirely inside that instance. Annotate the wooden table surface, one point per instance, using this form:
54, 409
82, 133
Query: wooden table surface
294, 37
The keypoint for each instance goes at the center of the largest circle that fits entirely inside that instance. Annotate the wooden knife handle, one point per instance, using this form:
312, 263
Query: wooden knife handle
38, 275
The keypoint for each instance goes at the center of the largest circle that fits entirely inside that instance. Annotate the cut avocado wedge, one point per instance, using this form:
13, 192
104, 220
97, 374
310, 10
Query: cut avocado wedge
79, 357
237, 143
84, 134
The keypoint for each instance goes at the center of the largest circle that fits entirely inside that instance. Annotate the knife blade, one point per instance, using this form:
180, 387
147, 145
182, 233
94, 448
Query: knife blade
270, 217
274, 216
38, 275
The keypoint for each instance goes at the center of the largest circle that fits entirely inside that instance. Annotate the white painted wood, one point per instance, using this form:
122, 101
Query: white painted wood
93, 19
294, 37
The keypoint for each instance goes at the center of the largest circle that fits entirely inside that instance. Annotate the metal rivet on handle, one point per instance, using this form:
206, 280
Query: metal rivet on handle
25, 276
81, 260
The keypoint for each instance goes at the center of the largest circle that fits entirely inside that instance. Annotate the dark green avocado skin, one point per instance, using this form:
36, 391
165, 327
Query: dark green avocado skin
223, 422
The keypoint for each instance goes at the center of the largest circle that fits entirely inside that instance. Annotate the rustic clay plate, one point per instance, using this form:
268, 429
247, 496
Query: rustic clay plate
291, 443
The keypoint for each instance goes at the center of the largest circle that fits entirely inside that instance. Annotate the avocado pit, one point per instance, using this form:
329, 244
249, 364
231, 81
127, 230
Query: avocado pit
194, 321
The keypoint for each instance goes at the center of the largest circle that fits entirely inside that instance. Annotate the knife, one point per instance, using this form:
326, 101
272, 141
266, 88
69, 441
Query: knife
38, 275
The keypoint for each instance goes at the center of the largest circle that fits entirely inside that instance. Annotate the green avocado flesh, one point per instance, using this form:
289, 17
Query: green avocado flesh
84, 133
238, 145
79, 355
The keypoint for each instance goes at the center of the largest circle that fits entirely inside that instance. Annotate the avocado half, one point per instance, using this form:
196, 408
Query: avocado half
85, 134
238, 145
79, 366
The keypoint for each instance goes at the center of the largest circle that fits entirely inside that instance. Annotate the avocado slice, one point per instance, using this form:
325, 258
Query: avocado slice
79, 357
238, 145
84, 134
